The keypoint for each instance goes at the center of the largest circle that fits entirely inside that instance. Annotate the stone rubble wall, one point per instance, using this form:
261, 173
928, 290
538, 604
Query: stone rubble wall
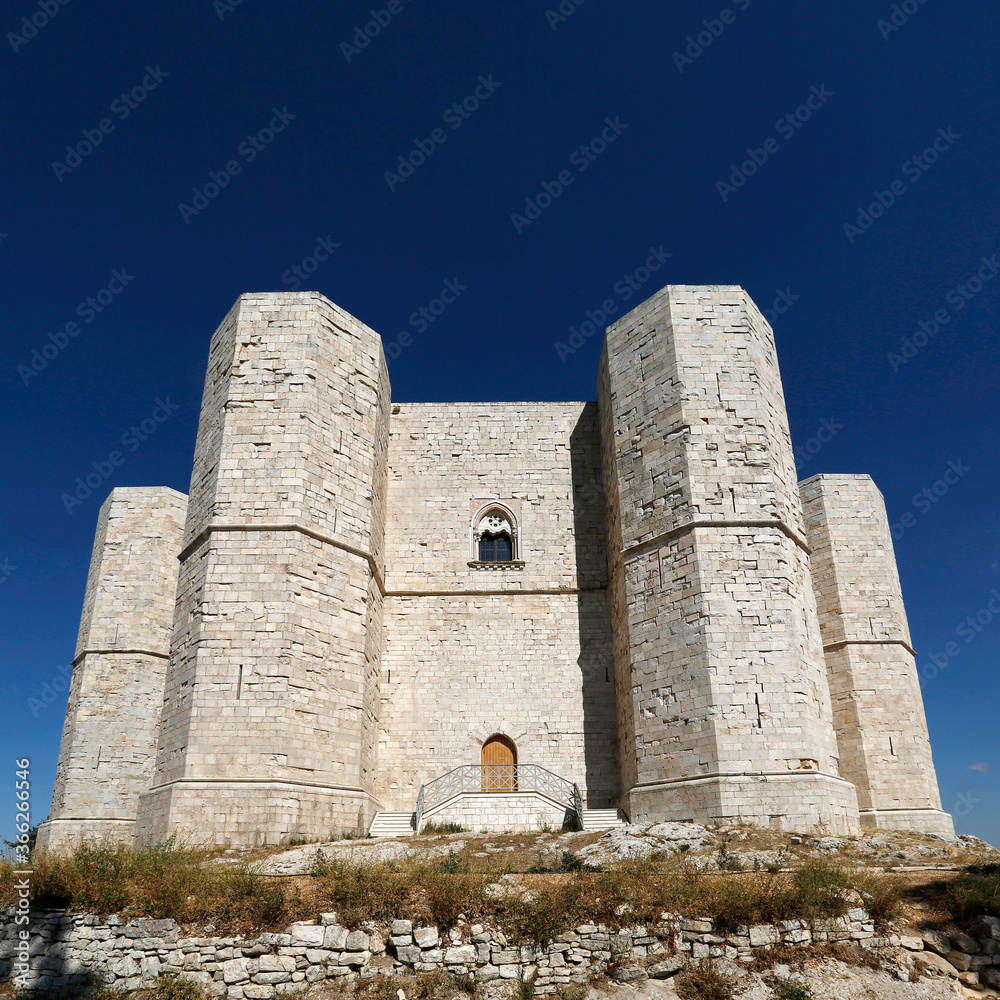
878, 708
66, 947
108, 749
717, 641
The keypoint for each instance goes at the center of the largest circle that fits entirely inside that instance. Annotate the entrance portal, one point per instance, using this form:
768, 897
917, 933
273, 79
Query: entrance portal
499, 765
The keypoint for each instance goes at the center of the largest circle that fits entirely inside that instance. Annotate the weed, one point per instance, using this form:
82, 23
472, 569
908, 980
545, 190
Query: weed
443, 828
524, 987
167, 987
702, 982
976, 892
726, 861
453, 864
568, 863
165, 880
882, 894
787, 989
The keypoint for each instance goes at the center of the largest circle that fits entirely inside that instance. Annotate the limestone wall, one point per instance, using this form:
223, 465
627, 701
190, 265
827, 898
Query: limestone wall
878, 708
717, 636
471, 651
109, 737
507, 813
270, 700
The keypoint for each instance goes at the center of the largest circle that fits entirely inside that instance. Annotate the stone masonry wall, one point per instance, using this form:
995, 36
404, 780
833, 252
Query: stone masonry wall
878, 708
522, 649
509, 812
269, 709
108, 745
717, 636
65, 947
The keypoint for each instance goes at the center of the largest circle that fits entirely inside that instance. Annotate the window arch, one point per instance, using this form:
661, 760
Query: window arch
495, 535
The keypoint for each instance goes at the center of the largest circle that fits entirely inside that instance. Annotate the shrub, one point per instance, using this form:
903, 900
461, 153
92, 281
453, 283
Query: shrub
524, 988
882, 894
569, 862
163, 988
976, 892
453, 864
443, 828
822, 889
366, 890
702, 982
787, 989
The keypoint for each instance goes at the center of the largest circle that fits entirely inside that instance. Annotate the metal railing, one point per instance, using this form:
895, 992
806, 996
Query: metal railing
498, 778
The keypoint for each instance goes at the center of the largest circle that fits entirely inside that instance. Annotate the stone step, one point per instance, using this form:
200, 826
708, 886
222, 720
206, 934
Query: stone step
602, 819
386, 824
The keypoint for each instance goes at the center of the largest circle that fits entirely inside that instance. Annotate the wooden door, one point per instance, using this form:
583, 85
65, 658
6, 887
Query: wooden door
499, 765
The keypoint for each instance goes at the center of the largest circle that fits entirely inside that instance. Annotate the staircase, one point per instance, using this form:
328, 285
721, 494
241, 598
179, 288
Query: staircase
601, 819
392, 825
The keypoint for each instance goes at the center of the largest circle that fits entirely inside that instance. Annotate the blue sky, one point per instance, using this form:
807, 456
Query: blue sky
836, 159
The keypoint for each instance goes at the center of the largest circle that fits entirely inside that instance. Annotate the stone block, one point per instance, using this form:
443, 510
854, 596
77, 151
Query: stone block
763, 935
426, 937
311, 935
357, 941
937, 943
335, 937
235, 971
276, 963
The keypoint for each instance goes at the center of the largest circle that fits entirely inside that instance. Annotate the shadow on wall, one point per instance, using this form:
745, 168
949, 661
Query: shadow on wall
597, 678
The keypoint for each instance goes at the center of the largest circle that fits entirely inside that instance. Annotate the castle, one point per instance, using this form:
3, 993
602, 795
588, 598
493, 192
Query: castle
369, 616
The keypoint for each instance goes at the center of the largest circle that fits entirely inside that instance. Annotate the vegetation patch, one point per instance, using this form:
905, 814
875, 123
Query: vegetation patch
976, 892
193, 886
162, 988
167, 880
702, 982
443, 828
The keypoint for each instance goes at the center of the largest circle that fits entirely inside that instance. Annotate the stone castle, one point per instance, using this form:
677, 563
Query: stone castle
370, 616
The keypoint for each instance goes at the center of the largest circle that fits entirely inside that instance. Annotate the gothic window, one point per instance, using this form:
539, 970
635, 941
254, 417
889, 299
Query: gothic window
494, 535
495, 547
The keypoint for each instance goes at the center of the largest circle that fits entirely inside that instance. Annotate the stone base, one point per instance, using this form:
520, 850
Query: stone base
798, 802
251, 813
63, 835
486, 812
931, 821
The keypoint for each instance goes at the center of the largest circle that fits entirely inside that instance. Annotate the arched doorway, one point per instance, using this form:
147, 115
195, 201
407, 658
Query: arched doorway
499, 765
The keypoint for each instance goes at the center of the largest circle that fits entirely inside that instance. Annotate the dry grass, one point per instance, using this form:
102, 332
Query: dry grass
539, 907
976, 892
962, 899
437, 985
171, 880
702, 982
164, 988
167, 880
